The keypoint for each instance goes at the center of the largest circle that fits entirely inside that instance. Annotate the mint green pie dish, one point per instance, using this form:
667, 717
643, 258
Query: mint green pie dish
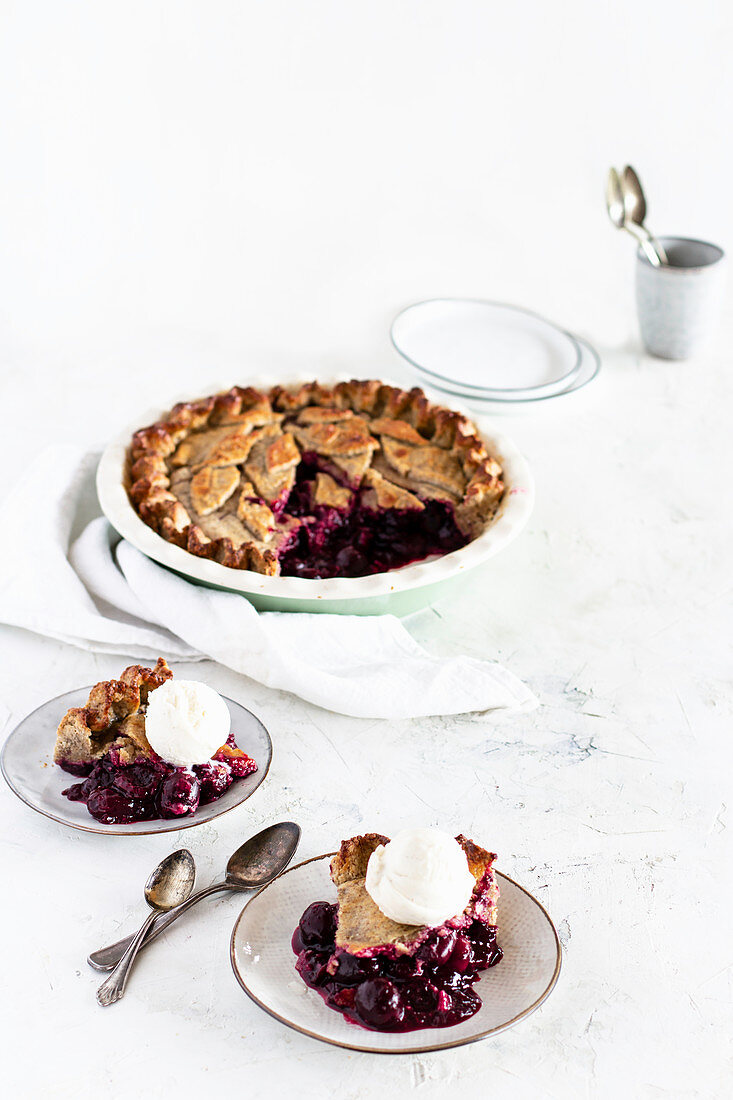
397, 592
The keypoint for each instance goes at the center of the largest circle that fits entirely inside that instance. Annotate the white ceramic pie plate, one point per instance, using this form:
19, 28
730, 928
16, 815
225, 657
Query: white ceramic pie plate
28, 768
264, 965
398, 591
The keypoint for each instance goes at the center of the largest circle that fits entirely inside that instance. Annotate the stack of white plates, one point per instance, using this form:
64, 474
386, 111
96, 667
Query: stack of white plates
498, 358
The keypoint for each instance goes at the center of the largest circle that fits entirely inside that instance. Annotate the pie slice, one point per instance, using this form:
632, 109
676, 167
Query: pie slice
387, 976
124, 780
362, 927
86, 733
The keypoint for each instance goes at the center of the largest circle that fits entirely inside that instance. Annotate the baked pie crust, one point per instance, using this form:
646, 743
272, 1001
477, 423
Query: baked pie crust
362, 926
111, 718
295, 479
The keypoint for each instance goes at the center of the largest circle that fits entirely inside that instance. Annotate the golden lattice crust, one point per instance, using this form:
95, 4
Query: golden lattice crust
114, 718
184, 472
110, 718
381, 493
363, 928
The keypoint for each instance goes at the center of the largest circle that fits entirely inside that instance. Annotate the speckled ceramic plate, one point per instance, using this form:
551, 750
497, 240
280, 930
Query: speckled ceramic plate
397, 592
28, 767
264, 965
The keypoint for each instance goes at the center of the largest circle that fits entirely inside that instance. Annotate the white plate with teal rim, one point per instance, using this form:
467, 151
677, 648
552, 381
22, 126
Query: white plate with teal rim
477, 347
264, 965
398, 591
28, 768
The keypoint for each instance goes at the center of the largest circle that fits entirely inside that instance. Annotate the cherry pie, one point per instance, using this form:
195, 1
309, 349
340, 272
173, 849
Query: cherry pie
314, 481
396, 977
123, 779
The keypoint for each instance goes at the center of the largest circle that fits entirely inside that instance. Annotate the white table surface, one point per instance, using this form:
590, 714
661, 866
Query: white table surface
197, 190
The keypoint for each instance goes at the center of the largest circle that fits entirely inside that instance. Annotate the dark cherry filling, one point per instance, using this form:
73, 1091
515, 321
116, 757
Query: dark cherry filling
355, 542
382, 992
118, 794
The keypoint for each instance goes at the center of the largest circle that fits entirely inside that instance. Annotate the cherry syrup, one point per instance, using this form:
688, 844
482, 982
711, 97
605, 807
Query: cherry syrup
388, 992
118, 794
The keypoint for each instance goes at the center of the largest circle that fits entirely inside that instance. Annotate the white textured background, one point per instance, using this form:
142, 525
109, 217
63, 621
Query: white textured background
190, 191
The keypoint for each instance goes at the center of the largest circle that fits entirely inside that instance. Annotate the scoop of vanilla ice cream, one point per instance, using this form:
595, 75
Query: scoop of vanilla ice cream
186, 722
420, 877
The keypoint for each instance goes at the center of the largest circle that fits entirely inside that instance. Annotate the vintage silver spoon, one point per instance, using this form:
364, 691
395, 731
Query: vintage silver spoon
258, 861
635, 208
617, 214
170, 883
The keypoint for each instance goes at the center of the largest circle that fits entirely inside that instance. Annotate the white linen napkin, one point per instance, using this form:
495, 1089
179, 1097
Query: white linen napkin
71, 577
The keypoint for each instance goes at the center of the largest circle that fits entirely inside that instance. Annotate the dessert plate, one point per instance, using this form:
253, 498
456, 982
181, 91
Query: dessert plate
487, 348
397, 592
28, 768
264, 965
590, 366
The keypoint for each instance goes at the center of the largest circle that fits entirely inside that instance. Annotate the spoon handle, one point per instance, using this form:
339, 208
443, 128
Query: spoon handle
642, 237
656, 245
651, 253
111, 990
108, 957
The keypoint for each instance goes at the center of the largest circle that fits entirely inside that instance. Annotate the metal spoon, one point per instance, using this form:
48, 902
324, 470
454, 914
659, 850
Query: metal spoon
635, 207
170, 883
617, 214
258, 861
